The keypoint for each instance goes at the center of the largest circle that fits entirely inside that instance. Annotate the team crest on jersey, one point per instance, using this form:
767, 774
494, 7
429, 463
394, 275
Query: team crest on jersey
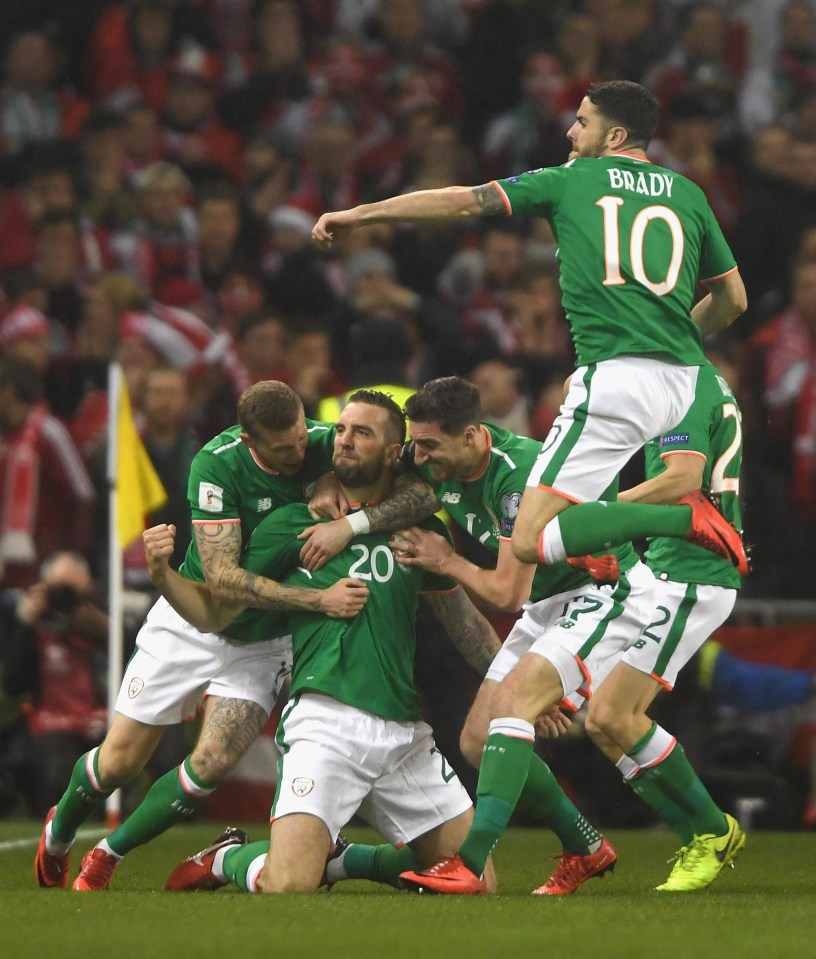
302, 786
210, 497
674, 439
451, 497
135, 686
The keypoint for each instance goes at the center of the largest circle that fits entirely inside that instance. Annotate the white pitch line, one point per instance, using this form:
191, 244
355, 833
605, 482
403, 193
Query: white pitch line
25, 843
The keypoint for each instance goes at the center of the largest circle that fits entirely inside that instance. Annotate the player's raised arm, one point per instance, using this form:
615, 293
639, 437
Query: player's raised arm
192, 601
446, 203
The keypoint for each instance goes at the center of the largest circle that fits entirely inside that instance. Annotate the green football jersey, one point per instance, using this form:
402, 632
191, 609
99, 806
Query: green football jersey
634, 240
228, 483
487, 503
711, 428
368, 661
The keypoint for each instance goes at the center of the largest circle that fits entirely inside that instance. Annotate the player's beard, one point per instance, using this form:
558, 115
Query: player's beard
356, 473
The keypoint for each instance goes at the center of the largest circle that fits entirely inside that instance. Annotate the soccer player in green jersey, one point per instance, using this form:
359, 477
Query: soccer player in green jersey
236, 479
352, 735
695, 592
634, 240
478, 472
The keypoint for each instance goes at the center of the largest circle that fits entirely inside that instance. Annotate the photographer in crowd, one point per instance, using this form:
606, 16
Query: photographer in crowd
49, 654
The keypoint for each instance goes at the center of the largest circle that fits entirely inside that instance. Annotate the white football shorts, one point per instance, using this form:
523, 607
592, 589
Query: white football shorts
174, 665
338, 760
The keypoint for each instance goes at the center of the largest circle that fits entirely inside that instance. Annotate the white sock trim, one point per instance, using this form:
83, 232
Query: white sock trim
552, 542
218, 864
656, 750
510, 726
54, 847
107, 849
255, 868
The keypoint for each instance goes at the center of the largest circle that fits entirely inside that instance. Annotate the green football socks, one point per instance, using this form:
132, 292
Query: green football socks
502, 775
85, 791
593, 527
542, 798
172, 798
664, 765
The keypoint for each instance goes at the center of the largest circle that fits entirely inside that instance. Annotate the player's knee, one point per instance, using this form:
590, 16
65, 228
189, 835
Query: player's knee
211, 764
118, 763
604, 721
471, 744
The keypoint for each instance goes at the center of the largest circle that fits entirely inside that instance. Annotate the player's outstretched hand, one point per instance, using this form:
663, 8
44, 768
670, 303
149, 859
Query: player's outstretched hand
552, 723
421, 547
344, 599
323, 541
332, 225
159, 542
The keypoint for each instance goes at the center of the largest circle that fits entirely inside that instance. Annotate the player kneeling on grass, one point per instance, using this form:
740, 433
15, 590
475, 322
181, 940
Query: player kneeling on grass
352, 738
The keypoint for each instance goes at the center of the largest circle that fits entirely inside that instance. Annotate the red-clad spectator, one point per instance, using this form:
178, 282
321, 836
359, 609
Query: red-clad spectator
192, 134
106, 196
47, 495
481, 285
220, 246
25, 334
327, 179
67, 259
131, 47
276, 85
401, 24
50, 659
795, 63
788, 345
341, 75
706, 61
34, 106
161, 243
16, 238
141, 140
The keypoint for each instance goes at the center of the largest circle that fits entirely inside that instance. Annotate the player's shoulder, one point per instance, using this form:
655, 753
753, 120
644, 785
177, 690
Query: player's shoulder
509, 451
317, 428
222, 444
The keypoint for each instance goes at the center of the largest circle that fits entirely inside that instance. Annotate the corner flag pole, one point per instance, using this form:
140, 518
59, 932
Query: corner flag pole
113, 804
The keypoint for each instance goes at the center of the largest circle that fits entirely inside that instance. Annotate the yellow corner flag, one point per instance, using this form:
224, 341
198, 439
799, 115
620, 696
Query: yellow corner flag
139, 490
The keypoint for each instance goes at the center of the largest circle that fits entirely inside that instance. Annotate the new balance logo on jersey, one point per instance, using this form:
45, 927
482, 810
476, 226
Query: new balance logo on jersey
649, 184
451, 497
265, 504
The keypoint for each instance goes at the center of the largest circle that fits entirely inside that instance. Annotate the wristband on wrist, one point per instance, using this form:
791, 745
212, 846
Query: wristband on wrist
359, 523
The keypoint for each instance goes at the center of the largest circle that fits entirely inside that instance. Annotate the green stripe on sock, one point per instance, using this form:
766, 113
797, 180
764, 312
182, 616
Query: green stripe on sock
238, 859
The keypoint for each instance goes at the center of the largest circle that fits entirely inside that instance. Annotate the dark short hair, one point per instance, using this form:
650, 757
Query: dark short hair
268, 405
450, 402
629, 105
396, 418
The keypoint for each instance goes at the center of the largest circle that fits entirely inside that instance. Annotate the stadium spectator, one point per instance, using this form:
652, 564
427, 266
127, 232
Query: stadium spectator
51, 660
46, 492
35, 106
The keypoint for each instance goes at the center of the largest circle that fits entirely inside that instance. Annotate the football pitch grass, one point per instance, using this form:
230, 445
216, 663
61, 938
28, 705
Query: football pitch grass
766, 907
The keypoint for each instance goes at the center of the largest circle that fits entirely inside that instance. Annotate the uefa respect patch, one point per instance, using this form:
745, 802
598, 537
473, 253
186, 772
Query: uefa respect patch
674, 439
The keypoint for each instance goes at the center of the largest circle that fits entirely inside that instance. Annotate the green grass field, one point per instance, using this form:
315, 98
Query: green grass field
766, 908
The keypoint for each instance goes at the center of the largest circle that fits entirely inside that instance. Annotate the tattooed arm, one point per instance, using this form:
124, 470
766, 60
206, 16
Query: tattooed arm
410, 501
219, 546
447, 203
467, 628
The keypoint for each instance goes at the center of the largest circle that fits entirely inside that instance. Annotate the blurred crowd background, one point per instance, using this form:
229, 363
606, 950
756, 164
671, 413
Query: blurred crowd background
162, 163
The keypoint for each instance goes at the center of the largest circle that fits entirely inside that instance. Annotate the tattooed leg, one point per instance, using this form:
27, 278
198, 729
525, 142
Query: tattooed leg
230, 726
229, 729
